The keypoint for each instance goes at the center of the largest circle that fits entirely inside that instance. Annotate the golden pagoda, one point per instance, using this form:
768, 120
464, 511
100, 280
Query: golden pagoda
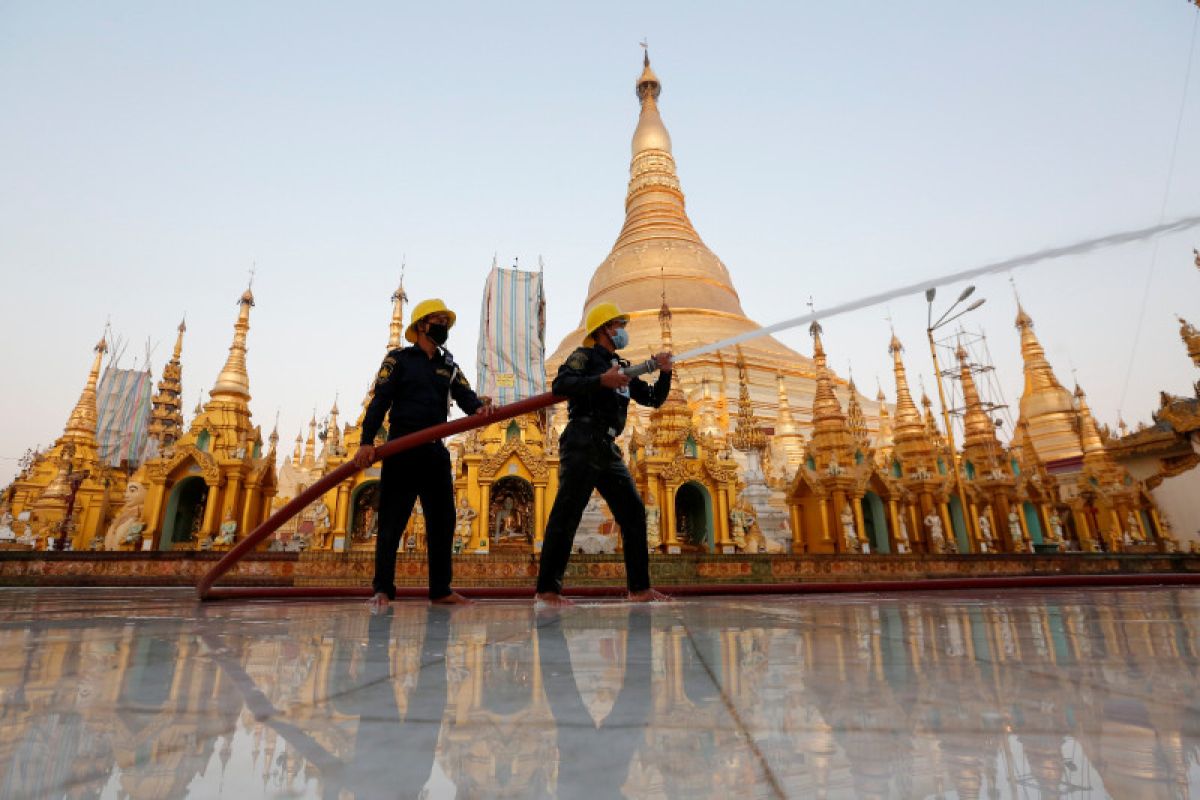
1067, 472
987, 472
68, 473
687, 477
1046, 406
659, 249
826, 495
924, 477
216, 484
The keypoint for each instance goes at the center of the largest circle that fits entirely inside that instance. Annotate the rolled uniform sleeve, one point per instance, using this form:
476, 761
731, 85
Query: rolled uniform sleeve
381, 399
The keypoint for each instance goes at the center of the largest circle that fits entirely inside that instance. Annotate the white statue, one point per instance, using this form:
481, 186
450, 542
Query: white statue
1135, 529
902, 541
6, 532
26, 537
228, 532
933, 525
1014, 530
464, 516
1056, 527
985, 533
850, 535
742, 518
129, 515
653, 531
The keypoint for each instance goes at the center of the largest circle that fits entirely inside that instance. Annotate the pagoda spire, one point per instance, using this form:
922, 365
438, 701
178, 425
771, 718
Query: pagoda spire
827, 412
234, 383
664, 321
1089, 434
310, 447
1046, 405
748, 434
908, 425
396, 326
883, 444
81, 425
855, 419
166, 415
977, 425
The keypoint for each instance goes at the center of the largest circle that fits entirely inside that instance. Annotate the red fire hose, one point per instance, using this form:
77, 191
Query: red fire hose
204, 589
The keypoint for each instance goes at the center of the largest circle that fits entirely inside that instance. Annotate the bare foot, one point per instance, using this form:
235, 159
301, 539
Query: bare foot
552, 599
378, 603
453, 599
649, 596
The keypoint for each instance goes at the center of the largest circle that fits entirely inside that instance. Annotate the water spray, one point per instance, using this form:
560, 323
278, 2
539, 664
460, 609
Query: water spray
1085, 246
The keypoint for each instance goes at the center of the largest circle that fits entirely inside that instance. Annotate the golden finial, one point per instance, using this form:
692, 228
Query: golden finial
1191, 339
399, 298
81, 424
856, 421
748, 434
234, 383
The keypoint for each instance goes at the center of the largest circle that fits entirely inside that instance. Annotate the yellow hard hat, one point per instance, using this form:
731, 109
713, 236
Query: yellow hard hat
422, 310
597, 317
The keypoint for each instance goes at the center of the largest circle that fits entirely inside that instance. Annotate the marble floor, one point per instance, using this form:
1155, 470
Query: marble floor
116, 693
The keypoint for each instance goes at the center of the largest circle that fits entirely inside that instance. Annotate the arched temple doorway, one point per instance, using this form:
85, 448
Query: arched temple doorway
510, 514
185, 513
959, 521
875, 523
693, 517
364, 514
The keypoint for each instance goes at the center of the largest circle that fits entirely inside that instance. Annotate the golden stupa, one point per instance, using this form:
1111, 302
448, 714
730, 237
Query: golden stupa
659, 256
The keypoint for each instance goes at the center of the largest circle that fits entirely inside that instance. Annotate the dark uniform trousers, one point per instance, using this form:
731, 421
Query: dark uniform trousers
422, 472
590, 459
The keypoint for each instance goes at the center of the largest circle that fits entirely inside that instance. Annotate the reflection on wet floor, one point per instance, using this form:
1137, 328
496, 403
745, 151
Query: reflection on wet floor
143, 693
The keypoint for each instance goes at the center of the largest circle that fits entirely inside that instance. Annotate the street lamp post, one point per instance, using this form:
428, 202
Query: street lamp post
931, 326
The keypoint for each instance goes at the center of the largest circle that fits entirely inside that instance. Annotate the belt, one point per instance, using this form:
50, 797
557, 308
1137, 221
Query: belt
603, 430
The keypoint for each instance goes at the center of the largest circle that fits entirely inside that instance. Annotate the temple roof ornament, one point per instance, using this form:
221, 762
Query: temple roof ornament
977, 425
1191, 338
856, 420
166, 416
748, 433
908, 426
396, 326
234, 383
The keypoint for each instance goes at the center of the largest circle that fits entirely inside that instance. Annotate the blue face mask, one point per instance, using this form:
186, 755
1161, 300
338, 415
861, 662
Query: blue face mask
620, 339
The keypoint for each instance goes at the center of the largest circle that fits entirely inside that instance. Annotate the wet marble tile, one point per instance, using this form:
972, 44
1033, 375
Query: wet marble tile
145, 693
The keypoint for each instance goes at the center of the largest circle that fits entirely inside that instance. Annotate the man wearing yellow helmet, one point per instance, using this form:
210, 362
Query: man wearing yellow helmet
598, 395
414, 387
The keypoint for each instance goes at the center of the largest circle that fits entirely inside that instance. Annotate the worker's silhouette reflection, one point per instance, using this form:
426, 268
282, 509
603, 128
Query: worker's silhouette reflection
594, 755
393, 757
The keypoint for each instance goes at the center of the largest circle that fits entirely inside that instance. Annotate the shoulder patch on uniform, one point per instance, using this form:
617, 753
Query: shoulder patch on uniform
385, 370
461, 379
578, 360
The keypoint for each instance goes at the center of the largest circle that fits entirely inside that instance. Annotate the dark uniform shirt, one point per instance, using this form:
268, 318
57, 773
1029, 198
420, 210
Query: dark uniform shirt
592, 403
417, 389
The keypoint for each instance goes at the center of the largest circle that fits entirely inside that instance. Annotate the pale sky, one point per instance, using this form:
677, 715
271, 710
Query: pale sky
150, 153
